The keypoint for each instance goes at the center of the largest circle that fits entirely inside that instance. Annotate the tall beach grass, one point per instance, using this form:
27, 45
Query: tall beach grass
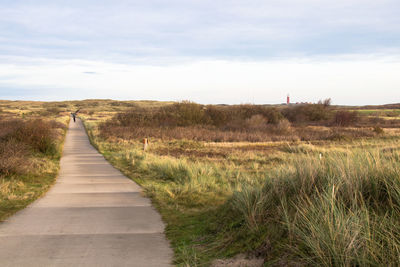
339, 210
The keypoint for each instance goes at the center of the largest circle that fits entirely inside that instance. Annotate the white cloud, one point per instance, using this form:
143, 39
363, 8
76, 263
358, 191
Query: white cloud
355, 81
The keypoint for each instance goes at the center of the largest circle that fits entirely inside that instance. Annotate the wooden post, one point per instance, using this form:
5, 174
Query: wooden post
145, 143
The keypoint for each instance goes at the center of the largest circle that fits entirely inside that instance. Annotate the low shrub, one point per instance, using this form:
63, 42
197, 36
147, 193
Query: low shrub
283, 127
256, 122
39, 135
184, 114
50, 110
345, 118
13, 158
301, 113
378, 130
36, 134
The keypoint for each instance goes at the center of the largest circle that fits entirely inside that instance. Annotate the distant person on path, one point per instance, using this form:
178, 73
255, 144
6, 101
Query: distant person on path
74, 114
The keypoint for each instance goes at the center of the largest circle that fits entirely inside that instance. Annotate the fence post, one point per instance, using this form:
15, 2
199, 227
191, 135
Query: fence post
145, 143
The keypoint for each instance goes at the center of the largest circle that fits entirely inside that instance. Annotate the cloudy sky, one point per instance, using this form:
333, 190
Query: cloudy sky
208, 51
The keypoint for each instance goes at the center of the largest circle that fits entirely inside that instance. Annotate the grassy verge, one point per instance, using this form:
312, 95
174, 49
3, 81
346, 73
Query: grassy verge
30, 151
18, 191
299, 204
190, 196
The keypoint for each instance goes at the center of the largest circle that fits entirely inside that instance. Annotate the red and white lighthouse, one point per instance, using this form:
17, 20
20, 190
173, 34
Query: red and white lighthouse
288, 100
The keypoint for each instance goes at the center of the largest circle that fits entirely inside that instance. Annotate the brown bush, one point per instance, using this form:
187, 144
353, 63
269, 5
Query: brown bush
13, 158
283, 127
192, 114
183, 114
256, 122
308, 112
345, 118
53, 110
217, 123
36, 134
9, 127
39, 135
218, 116
244, 112
378, 130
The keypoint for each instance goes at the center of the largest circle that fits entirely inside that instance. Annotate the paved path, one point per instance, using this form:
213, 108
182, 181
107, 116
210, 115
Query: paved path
93, 216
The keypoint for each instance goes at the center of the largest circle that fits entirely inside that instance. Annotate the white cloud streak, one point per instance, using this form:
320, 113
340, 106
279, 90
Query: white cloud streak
355, 81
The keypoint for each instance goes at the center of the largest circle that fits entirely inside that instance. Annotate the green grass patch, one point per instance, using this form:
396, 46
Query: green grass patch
19, 191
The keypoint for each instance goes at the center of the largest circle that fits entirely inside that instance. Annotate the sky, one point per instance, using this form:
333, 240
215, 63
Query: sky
207, 51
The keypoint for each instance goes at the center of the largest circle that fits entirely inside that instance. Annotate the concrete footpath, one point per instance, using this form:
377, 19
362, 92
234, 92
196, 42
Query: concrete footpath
92, 216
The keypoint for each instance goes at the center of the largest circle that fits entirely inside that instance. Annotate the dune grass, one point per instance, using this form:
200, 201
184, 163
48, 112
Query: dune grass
341, 210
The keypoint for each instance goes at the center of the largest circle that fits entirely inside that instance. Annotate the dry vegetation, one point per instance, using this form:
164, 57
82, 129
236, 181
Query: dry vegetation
30, 148
243, 123
301, 185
